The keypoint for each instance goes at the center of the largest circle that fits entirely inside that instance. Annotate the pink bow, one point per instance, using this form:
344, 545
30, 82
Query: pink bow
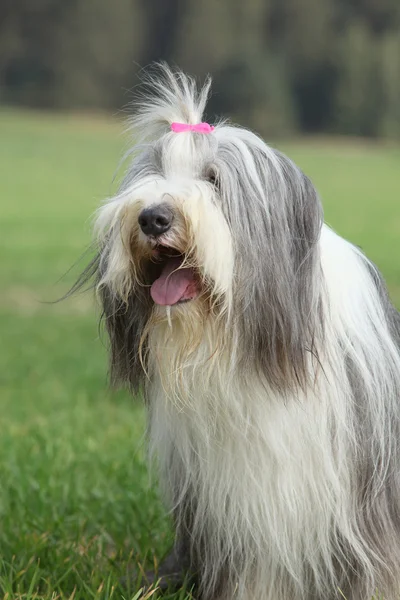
199, 128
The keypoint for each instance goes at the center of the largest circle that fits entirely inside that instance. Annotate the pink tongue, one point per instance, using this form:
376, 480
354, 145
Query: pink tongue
174, 284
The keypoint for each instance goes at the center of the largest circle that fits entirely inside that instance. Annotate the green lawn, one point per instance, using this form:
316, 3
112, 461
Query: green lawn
78, 508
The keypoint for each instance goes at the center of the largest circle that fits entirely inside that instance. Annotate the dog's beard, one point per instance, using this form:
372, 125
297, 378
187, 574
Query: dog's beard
186, 323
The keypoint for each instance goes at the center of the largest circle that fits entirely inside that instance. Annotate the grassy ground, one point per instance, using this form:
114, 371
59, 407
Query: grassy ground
77, 506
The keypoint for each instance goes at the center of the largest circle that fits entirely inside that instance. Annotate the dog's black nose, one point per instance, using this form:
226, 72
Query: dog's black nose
155, 220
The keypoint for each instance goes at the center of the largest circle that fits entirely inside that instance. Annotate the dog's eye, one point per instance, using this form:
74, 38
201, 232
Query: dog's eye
211, 177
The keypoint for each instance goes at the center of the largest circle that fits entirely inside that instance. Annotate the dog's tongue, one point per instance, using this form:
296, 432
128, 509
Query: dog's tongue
174, 284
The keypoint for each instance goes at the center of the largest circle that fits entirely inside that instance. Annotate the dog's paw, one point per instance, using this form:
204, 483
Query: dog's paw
171, 575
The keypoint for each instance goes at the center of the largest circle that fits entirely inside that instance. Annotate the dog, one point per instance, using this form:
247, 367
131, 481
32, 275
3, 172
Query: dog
267, 352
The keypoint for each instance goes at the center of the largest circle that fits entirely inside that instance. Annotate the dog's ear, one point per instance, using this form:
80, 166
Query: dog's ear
125, 322
276, 217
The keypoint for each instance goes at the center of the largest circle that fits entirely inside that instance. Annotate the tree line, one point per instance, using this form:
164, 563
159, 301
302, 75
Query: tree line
280, 66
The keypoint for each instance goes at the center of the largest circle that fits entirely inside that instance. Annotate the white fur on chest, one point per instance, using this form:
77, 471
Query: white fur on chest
261, 477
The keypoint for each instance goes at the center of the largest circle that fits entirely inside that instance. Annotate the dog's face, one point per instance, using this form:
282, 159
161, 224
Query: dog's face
210, 228
170, 234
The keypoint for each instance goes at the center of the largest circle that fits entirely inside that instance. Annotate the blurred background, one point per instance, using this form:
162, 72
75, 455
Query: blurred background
318, 78
282, 66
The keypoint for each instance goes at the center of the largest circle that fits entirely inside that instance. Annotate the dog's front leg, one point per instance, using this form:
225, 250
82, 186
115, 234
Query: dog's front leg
175, 570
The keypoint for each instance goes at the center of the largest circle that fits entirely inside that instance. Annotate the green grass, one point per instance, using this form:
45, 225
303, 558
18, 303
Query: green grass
78, 508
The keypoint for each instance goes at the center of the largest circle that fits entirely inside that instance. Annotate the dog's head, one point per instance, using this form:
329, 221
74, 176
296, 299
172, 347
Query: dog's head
210, 231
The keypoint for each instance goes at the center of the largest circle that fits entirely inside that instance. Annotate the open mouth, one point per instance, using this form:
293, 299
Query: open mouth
176, 283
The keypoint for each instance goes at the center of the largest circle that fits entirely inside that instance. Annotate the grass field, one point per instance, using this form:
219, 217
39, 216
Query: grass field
78, 508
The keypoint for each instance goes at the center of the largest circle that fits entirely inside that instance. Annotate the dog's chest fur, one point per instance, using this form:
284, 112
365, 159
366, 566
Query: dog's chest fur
241, 467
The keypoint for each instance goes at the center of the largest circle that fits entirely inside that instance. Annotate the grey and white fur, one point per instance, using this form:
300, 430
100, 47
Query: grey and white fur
273, 390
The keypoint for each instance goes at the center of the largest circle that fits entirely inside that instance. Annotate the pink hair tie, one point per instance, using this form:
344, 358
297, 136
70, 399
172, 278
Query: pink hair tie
199, 128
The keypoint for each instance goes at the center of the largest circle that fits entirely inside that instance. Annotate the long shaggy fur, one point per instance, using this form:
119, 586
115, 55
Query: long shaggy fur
274, 397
